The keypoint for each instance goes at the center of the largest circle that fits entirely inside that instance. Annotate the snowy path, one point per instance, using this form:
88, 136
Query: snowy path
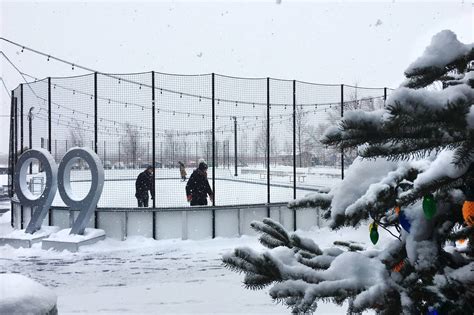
144, 276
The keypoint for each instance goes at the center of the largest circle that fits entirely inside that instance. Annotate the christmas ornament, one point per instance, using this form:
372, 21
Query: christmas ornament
398, 266
397, 209
468, 212
429, 206
374, 234
432, 311
404, 221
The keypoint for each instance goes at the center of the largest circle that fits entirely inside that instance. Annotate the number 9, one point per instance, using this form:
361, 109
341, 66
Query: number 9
44, 201
88, 204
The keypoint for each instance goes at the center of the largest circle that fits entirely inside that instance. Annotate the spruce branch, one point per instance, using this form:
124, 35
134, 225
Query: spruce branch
351, 246
273, 234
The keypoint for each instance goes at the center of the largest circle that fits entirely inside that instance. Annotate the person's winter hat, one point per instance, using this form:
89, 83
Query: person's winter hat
149, 167
202, 166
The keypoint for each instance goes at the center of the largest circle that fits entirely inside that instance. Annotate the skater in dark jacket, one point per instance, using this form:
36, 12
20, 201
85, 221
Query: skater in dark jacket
198, 188
143, 184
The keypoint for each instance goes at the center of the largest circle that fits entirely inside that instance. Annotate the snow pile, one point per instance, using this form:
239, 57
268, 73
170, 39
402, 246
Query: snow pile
21, 234
64, 236
21, 295
437, 55
5, 218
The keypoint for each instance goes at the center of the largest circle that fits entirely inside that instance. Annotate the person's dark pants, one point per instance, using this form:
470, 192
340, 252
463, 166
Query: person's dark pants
199, 202
143, 202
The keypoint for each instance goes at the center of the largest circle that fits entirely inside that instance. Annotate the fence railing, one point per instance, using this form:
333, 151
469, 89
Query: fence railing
185, 223
260, 137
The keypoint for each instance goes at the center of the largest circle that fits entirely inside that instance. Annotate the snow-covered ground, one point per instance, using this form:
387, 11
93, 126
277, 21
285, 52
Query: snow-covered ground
144, 276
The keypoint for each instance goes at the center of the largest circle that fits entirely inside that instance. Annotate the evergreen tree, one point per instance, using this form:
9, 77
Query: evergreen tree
413, 178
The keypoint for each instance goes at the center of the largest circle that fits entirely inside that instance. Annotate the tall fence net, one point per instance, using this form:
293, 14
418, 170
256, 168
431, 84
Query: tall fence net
259, 137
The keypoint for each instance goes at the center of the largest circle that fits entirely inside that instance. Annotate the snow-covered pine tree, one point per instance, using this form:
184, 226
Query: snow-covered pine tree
414, 171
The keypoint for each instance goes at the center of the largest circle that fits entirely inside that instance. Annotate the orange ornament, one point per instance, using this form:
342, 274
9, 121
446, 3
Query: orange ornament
461, 241
398, 266
468, 212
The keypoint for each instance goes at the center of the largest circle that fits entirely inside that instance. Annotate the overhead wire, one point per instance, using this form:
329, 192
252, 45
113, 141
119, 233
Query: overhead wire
117, 77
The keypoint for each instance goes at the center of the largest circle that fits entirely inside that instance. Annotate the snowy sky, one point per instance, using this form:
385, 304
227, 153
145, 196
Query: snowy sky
350, 42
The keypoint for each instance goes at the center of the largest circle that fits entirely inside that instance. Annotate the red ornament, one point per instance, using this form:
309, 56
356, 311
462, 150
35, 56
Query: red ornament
398, 266
468, 212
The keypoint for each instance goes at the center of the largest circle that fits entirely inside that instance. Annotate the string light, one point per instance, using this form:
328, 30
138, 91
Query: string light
72, 65
48, 58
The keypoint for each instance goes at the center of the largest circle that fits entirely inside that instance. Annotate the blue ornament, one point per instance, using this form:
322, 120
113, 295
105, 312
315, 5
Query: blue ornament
432, 311
404, 221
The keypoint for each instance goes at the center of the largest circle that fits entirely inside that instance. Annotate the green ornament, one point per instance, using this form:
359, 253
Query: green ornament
374, 234
429, 206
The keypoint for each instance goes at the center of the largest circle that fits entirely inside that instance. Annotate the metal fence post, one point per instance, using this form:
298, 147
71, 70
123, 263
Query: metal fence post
213, 156
21, 119
15, 104
384, 96
96, 217
294, 152
50, 219
11, 158
268, 144
342, 115
235, 147
95, 113
153, 156
49, 114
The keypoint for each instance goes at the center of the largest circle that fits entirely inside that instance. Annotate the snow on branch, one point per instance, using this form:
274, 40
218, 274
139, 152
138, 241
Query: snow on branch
444, 54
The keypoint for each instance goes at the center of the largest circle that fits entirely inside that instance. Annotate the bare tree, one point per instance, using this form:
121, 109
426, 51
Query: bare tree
260, 143
76, 134
352, 101
306, 142
78, 139
243, 143
131, 142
